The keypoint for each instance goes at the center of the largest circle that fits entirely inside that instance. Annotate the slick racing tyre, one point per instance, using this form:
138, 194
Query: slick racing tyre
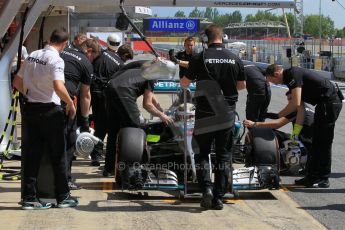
264, 147
131, 145
264, 155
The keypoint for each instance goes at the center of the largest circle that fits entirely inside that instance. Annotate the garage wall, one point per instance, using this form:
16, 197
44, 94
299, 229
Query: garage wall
51, 23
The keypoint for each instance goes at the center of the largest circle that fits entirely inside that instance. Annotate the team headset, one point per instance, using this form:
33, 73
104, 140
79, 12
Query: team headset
204, 41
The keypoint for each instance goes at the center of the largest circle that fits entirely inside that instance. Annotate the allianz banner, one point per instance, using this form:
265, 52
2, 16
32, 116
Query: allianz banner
171, 25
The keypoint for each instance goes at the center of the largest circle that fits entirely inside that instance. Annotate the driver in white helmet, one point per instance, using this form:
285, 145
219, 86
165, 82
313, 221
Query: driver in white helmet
113, 42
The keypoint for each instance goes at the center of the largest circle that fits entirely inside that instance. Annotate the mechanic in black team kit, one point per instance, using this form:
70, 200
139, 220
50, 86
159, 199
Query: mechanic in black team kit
277, 122
225, 70
183, 58
122, 92
78, 39
104, 67
259, 93
310, 87
78, 75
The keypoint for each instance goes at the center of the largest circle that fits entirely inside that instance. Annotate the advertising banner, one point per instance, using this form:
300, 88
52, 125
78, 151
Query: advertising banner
171, 25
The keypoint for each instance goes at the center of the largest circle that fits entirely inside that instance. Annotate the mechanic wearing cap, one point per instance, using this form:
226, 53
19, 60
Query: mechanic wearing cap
310, 87
259, 93
41, 81
182, 58
122, 92
78, 73
278, 122
104, 67
219, 66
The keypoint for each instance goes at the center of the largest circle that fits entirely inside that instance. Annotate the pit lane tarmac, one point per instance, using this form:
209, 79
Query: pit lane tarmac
103, 207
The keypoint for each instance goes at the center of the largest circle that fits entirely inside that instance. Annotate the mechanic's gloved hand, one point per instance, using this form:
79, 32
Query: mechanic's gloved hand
297, 128
271, 115
172, 56
84, 121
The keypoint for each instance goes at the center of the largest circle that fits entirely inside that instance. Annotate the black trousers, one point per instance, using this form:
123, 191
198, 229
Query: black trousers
257, 105
222, 167
99, 113
320, 158
70, 138
120, 115
43, 131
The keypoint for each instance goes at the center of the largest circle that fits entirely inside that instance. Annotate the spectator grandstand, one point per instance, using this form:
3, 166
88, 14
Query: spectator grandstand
256, 30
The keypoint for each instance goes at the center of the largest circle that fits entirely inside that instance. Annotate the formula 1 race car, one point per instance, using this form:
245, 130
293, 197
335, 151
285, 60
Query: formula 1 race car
161, 157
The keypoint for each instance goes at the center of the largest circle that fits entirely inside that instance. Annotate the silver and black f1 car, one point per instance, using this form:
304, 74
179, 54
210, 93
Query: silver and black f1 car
160, 157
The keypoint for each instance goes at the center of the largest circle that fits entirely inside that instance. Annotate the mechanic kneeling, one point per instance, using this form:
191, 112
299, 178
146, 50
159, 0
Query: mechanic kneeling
221, 69
278, 122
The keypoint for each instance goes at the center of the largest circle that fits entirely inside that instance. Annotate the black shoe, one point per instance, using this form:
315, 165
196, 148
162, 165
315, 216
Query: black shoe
302, 172
35, 204
324, 183
95, 163
73, 186
306, 181
108, 174
217, 204
207, 197
69, 201
312, 182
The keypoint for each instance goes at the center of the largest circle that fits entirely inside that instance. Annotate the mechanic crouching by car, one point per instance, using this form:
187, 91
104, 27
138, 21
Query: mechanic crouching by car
41, 81
121, 93
310, 87
259, 93
219, 75
278, 122
104, 67
78, 74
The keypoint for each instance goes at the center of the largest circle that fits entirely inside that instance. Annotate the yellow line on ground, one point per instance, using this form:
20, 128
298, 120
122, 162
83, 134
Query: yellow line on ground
284, 189
287, 187
169, 201
233, 201
107, 186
